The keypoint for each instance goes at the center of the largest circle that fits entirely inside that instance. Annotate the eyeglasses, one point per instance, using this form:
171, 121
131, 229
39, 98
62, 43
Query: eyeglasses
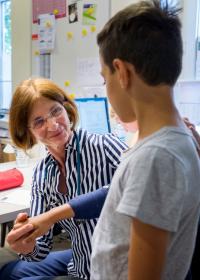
40, 122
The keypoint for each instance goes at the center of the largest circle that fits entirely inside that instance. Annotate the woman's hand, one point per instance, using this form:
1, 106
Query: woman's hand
40, 225
16, 237
194, 132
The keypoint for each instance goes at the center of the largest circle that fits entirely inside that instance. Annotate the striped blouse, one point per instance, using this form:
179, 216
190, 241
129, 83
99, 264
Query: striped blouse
99, 158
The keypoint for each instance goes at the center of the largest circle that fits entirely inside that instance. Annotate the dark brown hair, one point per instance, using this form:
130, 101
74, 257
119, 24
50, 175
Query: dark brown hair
148, 35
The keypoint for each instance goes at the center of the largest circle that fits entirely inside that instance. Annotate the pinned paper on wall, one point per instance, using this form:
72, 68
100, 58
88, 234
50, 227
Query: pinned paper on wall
94, 91
46, 34
89, 14
56, 7
73, 13
88, 72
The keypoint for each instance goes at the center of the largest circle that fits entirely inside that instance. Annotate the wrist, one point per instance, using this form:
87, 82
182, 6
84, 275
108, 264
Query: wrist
61, 213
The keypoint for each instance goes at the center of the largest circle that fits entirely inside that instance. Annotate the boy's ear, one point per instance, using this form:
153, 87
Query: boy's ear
123, 72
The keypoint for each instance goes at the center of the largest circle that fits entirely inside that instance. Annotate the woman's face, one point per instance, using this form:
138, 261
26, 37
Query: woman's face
49, 123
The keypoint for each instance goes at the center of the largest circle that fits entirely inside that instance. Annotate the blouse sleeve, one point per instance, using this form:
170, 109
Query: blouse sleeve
89, 206
39, 205
114, 148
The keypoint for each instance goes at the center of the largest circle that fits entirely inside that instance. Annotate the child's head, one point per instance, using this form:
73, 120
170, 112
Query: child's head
148, 36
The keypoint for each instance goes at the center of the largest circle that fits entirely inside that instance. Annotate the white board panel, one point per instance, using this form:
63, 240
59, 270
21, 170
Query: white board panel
70, 53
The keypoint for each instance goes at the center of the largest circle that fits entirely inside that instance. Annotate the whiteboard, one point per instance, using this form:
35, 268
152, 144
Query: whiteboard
74, 63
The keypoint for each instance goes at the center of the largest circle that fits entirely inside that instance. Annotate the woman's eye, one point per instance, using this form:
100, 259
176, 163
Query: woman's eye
38, 123
56, 112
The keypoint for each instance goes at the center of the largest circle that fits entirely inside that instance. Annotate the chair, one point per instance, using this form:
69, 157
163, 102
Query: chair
4, 228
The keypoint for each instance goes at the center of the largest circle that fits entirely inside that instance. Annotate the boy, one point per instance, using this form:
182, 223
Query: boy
148, 224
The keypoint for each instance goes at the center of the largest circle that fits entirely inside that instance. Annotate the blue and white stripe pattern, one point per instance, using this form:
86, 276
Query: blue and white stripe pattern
99, 158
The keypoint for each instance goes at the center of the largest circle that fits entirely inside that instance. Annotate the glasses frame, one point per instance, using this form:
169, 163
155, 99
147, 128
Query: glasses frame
53, 113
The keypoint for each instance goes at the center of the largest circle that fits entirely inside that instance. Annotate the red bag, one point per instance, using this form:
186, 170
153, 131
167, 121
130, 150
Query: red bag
11, 178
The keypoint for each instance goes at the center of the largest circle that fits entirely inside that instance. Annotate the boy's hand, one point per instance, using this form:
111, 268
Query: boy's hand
41, 225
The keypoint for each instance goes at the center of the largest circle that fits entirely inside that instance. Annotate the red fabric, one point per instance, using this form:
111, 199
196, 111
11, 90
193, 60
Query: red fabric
10, 179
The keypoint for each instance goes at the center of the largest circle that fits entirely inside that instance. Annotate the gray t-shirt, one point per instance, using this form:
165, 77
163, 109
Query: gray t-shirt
157, 182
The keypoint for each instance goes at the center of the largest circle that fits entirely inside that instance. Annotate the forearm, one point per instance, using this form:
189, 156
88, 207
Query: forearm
62, 212
86, 206
148, 247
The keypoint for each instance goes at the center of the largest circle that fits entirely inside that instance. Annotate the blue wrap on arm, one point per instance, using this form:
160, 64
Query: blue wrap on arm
89, 205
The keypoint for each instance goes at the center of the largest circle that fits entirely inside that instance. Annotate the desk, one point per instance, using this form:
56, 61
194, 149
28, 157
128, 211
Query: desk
9, 211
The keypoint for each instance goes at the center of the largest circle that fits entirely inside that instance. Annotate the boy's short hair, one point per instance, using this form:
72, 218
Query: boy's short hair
147, 35
25, 96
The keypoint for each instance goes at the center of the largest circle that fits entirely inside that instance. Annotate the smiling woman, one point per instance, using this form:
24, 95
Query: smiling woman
77, 163
28, 106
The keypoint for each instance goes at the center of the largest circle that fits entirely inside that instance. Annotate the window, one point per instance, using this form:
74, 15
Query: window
5, 54
198, 43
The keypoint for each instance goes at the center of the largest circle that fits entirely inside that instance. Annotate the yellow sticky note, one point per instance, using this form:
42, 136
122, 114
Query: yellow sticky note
36, 53
55, 11
84, 32
69, 35
93, 28
67, 83
72, 95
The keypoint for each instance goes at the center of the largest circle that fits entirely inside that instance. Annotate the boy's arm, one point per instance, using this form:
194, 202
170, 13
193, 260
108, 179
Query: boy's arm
147, 251
86, 206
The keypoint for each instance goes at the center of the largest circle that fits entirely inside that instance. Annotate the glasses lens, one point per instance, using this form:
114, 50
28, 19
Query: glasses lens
56, 111
38, 123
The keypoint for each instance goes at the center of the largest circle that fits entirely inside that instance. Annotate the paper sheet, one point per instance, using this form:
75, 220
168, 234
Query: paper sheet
17, 197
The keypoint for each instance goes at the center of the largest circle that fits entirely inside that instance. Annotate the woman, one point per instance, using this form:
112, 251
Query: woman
76, 163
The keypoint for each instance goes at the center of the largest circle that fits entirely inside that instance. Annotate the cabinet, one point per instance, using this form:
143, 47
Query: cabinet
5, 157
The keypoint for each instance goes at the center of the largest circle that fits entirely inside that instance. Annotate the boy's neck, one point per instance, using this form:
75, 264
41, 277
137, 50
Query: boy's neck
156, 111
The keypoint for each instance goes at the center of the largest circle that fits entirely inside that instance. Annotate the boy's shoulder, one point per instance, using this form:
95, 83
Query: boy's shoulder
171, 143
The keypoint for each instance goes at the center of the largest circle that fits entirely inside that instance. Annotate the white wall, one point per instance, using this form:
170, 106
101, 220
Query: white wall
189, 20
117, 5
21, 37
67, 57
21, 40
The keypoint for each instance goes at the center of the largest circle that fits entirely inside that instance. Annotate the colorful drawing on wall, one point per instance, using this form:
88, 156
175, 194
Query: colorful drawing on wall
56, 7
73, 13
89, 14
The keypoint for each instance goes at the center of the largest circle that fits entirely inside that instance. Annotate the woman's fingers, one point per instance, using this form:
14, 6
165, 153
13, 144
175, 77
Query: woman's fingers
16, 234
32, 236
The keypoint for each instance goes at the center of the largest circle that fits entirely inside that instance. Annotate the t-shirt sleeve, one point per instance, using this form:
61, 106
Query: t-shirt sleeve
153, 189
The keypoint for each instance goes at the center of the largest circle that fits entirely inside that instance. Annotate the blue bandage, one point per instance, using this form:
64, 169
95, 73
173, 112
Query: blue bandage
89, 205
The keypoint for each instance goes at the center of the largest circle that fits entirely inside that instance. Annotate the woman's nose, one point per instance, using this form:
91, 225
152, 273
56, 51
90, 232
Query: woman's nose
52, 123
